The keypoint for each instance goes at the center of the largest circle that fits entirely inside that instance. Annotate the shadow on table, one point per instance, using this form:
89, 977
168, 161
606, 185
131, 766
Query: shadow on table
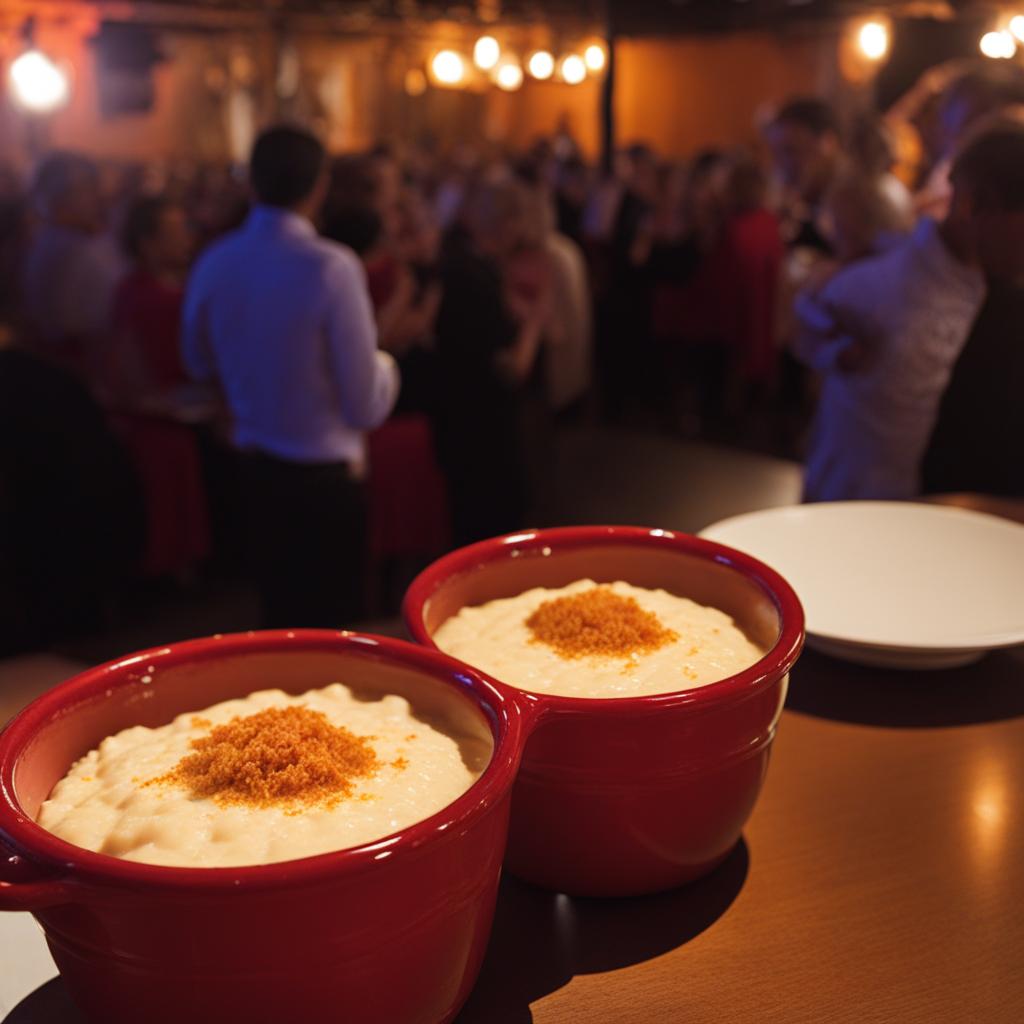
987, 691
49, 1004
541, 940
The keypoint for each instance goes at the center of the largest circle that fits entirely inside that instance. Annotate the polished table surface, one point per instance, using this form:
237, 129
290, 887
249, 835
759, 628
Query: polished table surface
880, 879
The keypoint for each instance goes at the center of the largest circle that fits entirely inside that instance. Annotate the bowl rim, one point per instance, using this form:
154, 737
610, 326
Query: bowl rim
776, 662
65, 862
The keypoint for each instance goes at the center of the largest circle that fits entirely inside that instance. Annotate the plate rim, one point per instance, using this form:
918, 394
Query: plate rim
979, 642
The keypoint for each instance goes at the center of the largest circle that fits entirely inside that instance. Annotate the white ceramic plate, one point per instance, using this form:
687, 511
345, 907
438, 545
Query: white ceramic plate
894, 584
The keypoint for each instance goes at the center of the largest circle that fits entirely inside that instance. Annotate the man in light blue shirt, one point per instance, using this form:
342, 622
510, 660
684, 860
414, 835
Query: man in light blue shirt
281, 320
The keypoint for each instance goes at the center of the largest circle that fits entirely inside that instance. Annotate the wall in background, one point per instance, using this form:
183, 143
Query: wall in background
215, 89
692, 92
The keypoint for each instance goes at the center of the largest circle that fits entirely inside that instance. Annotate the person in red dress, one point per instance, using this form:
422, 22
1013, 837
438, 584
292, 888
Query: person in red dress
143, 386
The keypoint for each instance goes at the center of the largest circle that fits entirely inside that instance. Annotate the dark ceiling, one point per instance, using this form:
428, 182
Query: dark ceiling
624, 16
658, 16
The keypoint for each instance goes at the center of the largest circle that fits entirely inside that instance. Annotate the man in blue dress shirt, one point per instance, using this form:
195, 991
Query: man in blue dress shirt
281, 320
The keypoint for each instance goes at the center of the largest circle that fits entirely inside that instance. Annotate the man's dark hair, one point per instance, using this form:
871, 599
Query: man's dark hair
285, 164
991, 167
809, 112
141, 222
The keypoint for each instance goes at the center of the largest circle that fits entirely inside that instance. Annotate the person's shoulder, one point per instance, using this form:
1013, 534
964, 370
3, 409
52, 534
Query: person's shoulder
59, 250
563, 246
332, 253
219, 252
334, 264
871, 278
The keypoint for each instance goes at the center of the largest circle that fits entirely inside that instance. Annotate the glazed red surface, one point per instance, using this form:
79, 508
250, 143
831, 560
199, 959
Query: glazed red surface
393, 931
630, 795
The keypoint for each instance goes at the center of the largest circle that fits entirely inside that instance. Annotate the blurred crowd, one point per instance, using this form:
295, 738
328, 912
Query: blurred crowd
847, 292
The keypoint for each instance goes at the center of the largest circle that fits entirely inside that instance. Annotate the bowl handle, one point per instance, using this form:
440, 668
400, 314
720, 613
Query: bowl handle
18, 892
32, 896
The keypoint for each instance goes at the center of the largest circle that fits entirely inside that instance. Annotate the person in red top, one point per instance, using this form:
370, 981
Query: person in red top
751, 255
144, 357
144, 382
716, 290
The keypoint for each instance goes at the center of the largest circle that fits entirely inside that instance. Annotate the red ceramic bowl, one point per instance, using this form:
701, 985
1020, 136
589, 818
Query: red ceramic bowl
631, 795
393, 931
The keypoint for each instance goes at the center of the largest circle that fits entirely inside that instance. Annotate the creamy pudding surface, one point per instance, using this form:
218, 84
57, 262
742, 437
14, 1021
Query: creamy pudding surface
265, 778
590, 640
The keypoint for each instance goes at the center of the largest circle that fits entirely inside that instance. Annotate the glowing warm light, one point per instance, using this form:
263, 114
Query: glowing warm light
415, 82
998, 45
509, 76
990, 810
573, 69
486, 53
1017, 26
448, 67
988, 797
595, 57
541, 65
39, 85
873, 40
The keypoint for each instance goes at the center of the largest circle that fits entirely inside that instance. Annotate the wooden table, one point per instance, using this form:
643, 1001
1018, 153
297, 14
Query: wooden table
880, 879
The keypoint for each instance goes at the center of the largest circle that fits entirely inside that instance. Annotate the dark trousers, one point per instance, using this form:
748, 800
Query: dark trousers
307, 541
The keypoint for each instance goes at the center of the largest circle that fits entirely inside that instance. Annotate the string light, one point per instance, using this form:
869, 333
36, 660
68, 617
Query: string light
38, 83
541, 65
998, 45
873, 40
486, 53
573, 69
595, 57
509, 76
448, 67
1017, 26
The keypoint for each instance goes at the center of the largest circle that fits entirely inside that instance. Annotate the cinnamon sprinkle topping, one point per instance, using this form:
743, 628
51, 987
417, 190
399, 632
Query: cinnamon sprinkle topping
598, 622
279, 756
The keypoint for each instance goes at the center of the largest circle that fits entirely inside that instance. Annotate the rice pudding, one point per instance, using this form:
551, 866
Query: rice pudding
266, 778
586, 640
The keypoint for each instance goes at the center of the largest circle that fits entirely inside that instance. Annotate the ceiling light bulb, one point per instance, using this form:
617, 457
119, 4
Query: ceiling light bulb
541, 65
573, 69
509, 76
38, 83
595, 57
998, 45
486, 53
873, 40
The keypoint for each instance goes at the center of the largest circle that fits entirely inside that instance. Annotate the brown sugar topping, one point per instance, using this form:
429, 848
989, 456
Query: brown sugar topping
598, 622
280, 756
